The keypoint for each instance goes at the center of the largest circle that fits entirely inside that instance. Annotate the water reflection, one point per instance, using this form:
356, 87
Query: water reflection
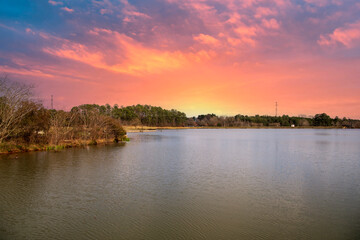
188, 184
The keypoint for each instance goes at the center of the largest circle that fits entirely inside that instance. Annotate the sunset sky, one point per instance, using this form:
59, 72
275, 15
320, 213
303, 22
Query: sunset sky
198, 56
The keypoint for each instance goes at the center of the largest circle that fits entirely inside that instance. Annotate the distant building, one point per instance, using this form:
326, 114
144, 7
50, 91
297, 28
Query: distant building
292, 125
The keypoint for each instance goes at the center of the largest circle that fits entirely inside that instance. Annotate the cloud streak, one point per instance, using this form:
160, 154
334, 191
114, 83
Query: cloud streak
127, 55
55, 3
66, 9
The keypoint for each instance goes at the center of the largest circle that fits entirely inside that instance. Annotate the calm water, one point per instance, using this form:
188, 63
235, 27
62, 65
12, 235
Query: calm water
188, 184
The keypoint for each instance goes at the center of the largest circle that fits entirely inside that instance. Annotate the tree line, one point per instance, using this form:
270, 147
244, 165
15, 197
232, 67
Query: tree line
25, 121
141, 115
146, 115
319, 120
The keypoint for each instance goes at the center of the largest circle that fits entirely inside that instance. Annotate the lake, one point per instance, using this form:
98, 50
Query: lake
188, 184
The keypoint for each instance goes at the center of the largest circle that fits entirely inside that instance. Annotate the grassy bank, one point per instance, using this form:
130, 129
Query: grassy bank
7, 148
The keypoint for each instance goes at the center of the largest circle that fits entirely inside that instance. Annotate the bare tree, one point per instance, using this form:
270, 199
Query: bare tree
13, 95
60, 125
93, 123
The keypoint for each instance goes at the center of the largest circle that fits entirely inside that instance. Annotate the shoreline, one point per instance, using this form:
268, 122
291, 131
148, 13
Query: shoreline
12, 148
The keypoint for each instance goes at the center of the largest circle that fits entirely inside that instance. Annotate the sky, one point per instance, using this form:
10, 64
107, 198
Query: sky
198, 56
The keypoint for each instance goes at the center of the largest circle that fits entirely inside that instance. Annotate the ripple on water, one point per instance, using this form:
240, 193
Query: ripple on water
188, 184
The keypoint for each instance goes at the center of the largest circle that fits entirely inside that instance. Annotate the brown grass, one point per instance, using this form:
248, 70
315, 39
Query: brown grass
8, 148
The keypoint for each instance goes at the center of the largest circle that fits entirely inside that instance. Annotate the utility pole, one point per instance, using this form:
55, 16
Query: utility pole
52, 102
276, 109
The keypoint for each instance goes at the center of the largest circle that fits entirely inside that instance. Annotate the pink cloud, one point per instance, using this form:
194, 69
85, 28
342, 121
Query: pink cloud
136, 14
246, 30
234, 18
347, 36
206, 39
105, 11
263, 12
245, 35
131, 11
25, 72
66, 9
245, 23
54, 3
28, 30
241, 41
248, 3
272, 23
128, 56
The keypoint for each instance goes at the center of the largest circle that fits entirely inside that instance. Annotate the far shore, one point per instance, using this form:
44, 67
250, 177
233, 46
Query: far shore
134, 129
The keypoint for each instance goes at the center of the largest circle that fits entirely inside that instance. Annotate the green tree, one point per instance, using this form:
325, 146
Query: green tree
322, 120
